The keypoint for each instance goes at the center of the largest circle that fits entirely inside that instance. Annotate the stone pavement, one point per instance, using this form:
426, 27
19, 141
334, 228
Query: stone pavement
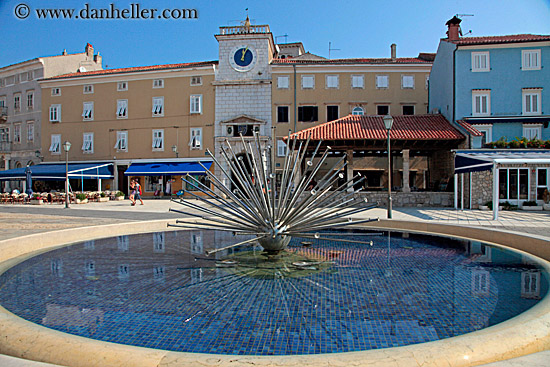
18, 220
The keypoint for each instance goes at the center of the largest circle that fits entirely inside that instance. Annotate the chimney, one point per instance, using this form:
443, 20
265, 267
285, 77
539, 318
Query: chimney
89, 50
454, 32
393, 52
98, 59
64, 53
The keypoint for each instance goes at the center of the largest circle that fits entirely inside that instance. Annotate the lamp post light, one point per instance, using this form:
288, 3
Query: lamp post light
66, 148
175, 150
388, 122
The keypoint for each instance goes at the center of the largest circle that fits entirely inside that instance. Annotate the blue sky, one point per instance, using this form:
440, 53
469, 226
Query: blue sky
357, 28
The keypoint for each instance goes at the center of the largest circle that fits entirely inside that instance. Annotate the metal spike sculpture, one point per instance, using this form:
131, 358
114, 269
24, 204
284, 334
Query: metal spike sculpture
273, 214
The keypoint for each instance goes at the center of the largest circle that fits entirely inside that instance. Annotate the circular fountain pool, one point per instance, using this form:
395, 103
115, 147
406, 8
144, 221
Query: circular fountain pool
159, 290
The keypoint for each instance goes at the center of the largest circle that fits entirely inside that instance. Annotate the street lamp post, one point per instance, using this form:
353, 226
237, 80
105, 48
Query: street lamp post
175, 150
66, 148
388, 122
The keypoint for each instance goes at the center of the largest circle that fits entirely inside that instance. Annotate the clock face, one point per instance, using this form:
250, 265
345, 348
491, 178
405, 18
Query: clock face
243, 58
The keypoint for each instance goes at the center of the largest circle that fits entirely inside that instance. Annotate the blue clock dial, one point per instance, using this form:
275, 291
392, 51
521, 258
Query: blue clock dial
243, 57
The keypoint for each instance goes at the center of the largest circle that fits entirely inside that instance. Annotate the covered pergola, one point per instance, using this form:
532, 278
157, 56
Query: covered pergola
468, 161
411, 136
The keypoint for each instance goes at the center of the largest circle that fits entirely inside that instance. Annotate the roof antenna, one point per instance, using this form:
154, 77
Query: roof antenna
331, 49
284, 35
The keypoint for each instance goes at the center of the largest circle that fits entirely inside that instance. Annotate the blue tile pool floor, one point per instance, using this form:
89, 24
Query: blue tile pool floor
161, 291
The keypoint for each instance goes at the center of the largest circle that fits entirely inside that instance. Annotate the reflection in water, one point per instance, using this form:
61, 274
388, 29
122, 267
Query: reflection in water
320, 296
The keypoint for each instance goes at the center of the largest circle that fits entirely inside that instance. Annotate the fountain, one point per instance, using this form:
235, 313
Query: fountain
272, 213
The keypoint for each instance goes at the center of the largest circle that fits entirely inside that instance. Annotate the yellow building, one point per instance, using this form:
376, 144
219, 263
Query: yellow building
137, 118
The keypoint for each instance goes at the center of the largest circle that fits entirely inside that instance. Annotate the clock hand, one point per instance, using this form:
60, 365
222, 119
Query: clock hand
244, 53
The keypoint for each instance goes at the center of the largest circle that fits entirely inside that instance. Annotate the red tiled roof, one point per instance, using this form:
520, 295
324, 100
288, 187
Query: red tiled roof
400, 60
135, 69
409, 127
513, 38
469, 128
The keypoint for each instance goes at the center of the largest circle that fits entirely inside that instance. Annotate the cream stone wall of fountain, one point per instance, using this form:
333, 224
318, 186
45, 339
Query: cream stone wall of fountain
524, 334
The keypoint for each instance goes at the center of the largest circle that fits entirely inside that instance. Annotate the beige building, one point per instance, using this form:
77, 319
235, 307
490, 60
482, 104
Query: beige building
168, 115
20, 105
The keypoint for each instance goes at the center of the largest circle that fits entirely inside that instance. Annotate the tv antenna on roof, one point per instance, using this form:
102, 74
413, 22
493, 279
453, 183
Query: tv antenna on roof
331, 49
284, 35
463, 15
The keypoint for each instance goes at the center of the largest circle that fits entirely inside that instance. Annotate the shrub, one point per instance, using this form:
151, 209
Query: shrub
81, 196
119, 193
102, 194
530, 203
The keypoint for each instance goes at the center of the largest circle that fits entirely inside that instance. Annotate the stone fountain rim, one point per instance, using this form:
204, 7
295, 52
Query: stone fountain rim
524, 334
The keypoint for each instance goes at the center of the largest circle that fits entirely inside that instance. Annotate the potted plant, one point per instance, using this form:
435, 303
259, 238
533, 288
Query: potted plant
81, 198
102, 197
531, 205
36, 199
119, 195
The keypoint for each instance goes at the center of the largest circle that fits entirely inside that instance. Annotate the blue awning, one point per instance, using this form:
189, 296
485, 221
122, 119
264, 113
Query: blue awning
57, 171
167, 168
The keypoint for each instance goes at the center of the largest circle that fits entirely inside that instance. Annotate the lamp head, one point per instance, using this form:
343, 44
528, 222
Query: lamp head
388, 122
66, 146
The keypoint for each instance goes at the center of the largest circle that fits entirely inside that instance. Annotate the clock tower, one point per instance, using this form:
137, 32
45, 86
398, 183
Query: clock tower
243, 85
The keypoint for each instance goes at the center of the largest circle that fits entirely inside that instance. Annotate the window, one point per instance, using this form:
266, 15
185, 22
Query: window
332, 113
513, 183
358, 81
543, 182
382, 110
332, 81
480, 61
530, 284
88, 111
17, 133
158, 140
122, 86
30, 100
283, 82
158, 83
308, 81
408, 109
88, 89
4, 134
158, 106
358, 111
55, 146
531, 101
55, 113
195, 103
281, 148
158, 272
532, 131
530, 60
30, 75
487, 132
282, 114
121, 141
308, 114
56, 91
427, 85
407, 81
123, 271
17, 102
382, 81
123, 243
196, 138
122, 109
480, 282
88, 143
481, 103
196, 80
3, 101
30, 131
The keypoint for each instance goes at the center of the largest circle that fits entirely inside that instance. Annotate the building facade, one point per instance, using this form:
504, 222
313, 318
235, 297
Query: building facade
21, 104
497, 90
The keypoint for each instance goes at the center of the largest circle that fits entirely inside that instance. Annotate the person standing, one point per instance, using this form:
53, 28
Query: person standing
133, 192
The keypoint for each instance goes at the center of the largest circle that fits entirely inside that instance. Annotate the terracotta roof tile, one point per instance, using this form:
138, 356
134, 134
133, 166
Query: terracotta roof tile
409, 127
134, 69
501, 39
469, 128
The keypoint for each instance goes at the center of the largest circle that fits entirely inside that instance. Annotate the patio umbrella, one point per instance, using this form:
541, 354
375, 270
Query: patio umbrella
28, 179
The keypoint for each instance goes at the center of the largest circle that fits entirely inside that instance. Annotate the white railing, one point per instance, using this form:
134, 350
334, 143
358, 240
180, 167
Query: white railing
241, 29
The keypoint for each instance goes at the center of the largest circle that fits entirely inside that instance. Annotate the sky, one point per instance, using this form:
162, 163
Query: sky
354, 28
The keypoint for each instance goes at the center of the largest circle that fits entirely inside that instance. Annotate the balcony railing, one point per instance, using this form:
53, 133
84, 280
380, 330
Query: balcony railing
241, 29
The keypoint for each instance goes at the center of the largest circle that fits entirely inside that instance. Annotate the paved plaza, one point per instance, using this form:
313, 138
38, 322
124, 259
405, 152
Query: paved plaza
19, 220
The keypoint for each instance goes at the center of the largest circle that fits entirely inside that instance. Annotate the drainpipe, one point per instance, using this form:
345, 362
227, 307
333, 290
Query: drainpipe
295, 109
454, 84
